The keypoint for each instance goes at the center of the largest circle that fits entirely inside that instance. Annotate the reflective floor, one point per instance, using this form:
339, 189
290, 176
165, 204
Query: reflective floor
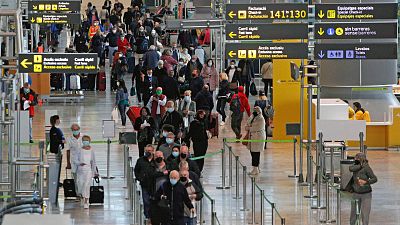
276, 165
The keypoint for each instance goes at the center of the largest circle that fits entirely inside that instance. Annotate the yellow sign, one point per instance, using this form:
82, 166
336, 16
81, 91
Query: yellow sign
252, 54
331, 14
39, 19
41, 7
54, 7
321, 14
339, 31
37, 68
242, 54
242, 14
37, 59
48, 7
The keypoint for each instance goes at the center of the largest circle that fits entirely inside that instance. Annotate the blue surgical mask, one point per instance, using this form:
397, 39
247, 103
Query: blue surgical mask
187, 98
86, 143
175, 154
164, 134
173, 181
76, 132
169, 140
170, 110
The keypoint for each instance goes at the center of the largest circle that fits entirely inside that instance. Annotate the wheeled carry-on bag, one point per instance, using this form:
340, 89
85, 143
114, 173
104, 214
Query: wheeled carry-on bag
101, 81
214, 126
69, 187
75, 82
96, 192
133, 113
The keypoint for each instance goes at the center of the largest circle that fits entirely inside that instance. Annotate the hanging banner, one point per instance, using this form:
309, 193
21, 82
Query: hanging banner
355, 51
281, 11
266, 50
355, 30
266, 31
54, 5
370, 11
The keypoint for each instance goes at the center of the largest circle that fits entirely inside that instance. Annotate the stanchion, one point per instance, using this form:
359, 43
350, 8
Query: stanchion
331, 180
253, 200
108, 160
262, 207
213, 212
294, 160
201, 211
244, 190
230, 166
237, 178
358, 213
283, 221
223, 187
311, 178
301, 177
319, 172
272, 213
362, 147
338, 207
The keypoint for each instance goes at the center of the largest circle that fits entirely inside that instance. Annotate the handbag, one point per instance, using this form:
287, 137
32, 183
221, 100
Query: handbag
253, 89
115, 115
133, 91
246, 137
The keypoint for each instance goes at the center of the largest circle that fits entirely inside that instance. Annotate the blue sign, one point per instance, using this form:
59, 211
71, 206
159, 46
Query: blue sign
335, 54
349, 54
330, 31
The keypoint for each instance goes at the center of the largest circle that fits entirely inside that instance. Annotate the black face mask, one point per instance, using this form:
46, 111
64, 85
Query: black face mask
357, 162
183, 179
183, 155
255, 113
159, 160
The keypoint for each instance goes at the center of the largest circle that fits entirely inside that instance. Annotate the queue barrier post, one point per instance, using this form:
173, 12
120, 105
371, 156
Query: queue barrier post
237, 178
253, 200
294, 160
230, 166
262, 207
244, 190
223, 187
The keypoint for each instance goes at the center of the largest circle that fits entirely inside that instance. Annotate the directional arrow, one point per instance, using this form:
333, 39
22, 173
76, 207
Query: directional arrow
32, 20
231, 14
321, 54
34, 7
321, 14
232, 35
25, 62
231, 54
321, 31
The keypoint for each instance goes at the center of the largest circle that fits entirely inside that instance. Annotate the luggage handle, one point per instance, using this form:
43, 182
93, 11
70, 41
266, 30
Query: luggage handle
97, 180
66, 173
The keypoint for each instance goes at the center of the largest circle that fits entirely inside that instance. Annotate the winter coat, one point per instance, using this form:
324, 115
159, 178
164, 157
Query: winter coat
210, 77
363, 172
256, 128
169, 62
150, 59
123, 45
266, 70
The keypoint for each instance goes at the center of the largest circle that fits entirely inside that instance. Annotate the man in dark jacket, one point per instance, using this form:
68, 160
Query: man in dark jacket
171, 87
184, 156
204, 100
128, 17
112, 39
150, 84
138, 72
80, 43
151, 57
194, 64
246, 74
160, 72
177, 196
172, 117
144, 172
196, 84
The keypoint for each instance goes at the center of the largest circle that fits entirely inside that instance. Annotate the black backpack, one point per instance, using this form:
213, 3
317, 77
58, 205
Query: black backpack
235, 104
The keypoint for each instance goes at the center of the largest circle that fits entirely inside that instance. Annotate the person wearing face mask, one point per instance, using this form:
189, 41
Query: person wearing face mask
194, 64
153, 37
112, 39
73, 147
198, 135
176, 195
195, 194
166, 148
172, 160
28, 98
210, 75
181, 73
57, 139
160, 72
171, 86
123, 44
222, 97
169, 61
87, 170
233, 74
256, 131
122, 101
144, 125
144, 169
175, 51
187, 108
157, 106
174, 118
360, 186
246, 74
196, 83
204, 100
185, 55
184, 156
151, 57
80, 43
148, 84
201, 54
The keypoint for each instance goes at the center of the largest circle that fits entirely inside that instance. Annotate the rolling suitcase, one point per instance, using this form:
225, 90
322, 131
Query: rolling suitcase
101, 81
69, 187
96, 193
85, 82
56, 81
133, 113
131, 64
75, 82
214, 126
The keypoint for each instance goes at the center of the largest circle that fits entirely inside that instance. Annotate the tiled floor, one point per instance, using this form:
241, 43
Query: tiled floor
277, 164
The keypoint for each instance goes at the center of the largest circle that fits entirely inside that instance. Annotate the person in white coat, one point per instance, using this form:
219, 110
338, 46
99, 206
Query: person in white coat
87, 170
256, 128
73, 147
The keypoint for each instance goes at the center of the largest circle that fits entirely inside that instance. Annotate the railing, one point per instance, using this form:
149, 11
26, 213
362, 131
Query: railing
274, 211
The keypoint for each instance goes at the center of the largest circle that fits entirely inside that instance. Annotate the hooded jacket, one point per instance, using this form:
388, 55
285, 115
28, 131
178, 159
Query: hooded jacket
244, 101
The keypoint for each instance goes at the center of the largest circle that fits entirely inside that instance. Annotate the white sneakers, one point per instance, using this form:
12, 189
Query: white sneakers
255, 171
86, 205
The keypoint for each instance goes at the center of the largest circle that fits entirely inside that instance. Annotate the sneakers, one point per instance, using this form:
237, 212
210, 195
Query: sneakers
254, 172
86, 205
222, 123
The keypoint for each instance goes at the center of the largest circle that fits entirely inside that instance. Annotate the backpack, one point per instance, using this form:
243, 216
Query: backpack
144, 46
235, 105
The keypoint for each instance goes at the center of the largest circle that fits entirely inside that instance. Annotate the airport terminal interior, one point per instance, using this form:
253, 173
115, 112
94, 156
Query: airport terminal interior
184, 112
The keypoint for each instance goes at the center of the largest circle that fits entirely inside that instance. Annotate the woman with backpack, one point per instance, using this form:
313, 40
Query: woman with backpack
256, 131
121, 100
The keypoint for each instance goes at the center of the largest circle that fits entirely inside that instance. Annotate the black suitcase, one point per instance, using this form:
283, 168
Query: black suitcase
96, 193
131, 64
92, 81
56, 81
69, 187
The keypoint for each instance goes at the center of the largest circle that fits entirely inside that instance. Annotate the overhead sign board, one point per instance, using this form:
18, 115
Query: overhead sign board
54, 5
54, 18
266, 50
266, 31
355, 30
370, 11
355, 51
57, 63
266, 11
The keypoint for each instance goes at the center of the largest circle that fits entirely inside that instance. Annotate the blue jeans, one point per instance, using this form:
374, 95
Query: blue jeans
146, 203
122, 110
190, 221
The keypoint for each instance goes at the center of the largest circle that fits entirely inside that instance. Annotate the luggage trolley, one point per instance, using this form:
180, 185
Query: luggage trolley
331, 165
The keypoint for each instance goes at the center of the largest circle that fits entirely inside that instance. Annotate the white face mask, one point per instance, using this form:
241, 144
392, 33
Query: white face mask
210, 64
233, 66
187, 98
181, 63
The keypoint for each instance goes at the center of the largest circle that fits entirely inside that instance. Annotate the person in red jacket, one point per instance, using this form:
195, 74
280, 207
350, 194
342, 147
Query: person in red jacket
123, 44
238, 105
28, 101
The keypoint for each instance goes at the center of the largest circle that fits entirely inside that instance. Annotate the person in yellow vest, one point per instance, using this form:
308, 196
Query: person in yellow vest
350, 111
360, 113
